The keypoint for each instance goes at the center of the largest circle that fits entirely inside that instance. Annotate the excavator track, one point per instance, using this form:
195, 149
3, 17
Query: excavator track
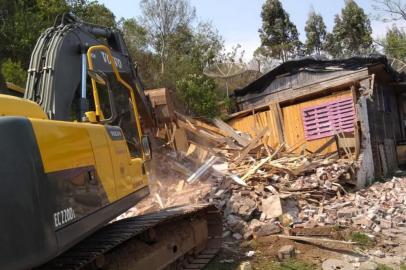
192, 239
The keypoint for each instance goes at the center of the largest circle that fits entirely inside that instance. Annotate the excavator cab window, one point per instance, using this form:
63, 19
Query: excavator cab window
125, 116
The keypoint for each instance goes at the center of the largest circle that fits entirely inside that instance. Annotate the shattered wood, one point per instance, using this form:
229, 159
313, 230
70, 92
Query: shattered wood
264, 190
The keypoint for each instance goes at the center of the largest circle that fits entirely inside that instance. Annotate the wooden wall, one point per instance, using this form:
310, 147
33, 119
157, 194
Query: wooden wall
292, 124
253, 124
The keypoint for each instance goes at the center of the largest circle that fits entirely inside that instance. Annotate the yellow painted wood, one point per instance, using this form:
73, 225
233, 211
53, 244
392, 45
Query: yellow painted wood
253, 123
293, 123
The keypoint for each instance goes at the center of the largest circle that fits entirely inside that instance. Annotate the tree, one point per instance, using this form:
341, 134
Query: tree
351, 34
93, 12
264, 61
207, 44
13, 72
25, 20
392, 10
278, 33
394, 43
24, 23
315, 33
199, 95
162, 19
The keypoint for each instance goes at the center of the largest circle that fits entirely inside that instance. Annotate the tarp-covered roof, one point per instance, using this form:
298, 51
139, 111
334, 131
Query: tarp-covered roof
293, 66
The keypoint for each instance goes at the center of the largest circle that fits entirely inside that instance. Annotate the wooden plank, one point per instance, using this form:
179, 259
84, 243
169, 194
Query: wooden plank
261, 163
250, 146
383, 159
313, 239
230, 132
277, 116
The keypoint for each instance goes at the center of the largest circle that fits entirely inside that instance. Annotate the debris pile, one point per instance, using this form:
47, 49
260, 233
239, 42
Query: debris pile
261, 189
380, 206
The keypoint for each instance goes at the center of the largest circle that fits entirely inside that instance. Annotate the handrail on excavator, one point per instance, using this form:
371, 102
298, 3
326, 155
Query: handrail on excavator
119, 79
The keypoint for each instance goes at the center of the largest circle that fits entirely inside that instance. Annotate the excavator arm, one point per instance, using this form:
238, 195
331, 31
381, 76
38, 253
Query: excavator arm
57, 75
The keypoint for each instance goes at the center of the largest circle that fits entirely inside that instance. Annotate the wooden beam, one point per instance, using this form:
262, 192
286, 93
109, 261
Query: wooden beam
313, 239
277, 115
230, 132
261, 163
251, 146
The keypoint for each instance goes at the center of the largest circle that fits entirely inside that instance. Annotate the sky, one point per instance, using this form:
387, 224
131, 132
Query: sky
238, 21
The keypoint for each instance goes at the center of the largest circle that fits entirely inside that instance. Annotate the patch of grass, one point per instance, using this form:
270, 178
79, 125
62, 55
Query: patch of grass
361, 238
403, 267
297, 265
285, 265
384, 267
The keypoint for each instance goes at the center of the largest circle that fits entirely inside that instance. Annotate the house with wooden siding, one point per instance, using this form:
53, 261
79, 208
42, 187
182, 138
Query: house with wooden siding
353, 107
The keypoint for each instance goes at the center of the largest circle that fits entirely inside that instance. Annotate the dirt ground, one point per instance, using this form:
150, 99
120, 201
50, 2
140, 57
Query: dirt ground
391, 242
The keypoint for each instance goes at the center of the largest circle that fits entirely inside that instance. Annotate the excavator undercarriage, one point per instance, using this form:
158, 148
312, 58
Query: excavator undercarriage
184, 237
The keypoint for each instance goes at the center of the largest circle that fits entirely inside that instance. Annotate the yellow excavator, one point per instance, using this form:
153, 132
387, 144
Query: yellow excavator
73, 158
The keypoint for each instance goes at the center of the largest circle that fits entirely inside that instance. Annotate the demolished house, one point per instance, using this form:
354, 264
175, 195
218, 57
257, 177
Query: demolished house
353, 107
307, 135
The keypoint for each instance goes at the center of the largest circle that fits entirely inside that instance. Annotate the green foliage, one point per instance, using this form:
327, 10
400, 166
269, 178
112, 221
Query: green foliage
164, 53
27, 19
351, 34
278, 33
199, 95
13, 72
93, 12
23, 25
264, 264
361, 238
315, 33
394, 44
384, 267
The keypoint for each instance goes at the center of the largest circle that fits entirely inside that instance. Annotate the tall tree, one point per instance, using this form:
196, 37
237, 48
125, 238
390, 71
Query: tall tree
278, 33
315, 33
351, 34
93, 12
162, 18
394, 43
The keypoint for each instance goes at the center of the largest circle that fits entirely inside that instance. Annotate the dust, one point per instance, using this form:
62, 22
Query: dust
167, 173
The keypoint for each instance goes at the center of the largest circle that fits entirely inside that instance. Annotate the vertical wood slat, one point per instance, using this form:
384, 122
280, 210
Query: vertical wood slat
276, 112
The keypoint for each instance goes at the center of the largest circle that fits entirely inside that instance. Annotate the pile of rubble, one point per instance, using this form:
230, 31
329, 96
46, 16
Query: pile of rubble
263, 191
380, 206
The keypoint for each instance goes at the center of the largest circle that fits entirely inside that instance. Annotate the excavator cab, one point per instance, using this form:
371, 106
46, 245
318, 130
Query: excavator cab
108, 101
